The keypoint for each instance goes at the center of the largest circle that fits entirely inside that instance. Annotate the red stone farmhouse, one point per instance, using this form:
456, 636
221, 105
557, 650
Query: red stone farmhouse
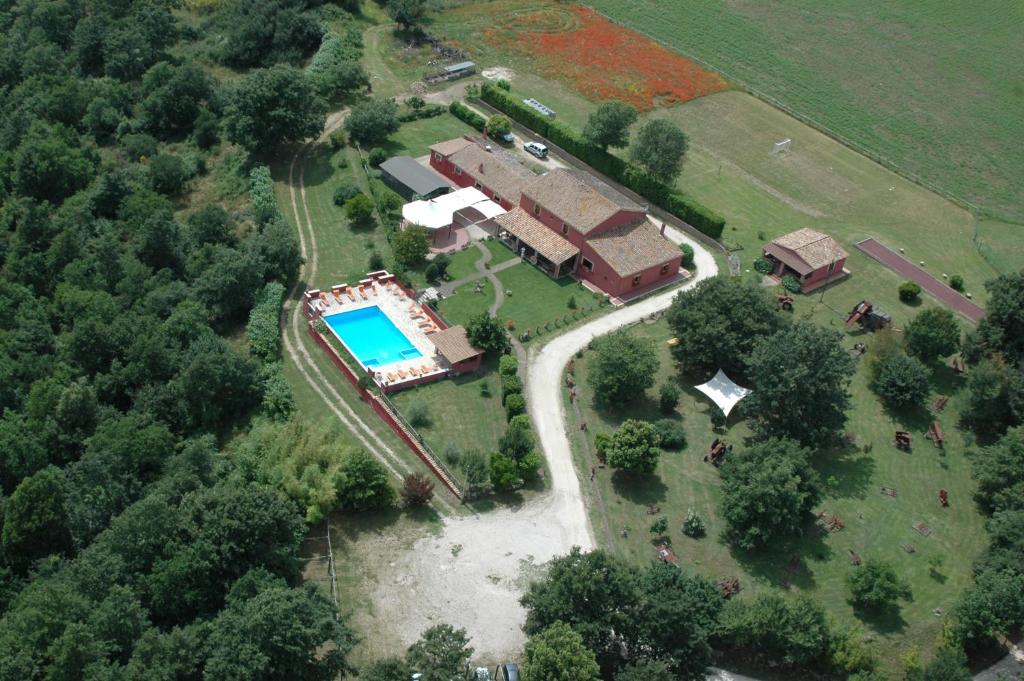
814, 258
566, 221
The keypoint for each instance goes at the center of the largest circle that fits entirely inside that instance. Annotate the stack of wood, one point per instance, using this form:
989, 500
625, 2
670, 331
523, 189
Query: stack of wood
730, 586
903, 440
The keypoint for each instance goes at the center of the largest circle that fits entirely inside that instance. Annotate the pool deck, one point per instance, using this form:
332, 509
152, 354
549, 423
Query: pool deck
415, 323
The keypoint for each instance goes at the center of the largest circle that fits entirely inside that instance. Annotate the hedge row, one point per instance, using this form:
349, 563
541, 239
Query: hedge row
263, 332
428, 111
261, 193
467, 115
624, 172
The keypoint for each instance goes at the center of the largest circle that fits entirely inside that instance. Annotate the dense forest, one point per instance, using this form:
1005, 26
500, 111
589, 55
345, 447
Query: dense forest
142, 535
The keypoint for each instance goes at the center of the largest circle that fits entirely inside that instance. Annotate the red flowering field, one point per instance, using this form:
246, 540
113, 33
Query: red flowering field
602, 60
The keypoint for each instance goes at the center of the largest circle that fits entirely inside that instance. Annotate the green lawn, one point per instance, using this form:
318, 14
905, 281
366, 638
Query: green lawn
465, 303
499, 251
463, 263
461, 413
876, 525
926, 84
415, 138
533, 299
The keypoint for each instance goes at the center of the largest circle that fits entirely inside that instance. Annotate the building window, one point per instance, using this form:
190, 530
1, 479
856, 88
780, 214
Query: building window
497, 199
536, 209
437, 156
636, 280
458, 170
831, 267
587, 265
664, 269
477, 185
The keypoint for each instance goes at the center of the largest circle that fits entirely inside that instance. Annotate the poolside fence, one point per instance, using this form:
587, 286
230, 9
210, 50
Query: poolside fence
387, 412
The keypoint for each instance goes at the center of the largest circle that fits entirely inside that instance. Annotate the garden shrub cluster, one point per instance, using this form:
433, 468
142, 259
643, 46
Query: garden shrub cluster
624, 172
263, 330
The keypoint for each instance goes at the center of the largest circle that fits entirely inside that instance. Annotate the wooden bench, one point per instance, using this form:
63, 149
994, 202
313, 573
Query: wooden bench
935, 434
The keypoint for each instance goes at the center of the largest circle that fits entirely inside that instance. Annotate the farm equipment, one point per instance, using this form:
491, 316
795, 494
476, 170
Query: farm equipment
785, 302
868, 316
903, 440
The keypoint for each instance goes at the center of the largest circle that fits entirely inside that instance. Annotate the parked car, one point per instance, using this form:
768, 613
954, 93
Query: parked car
507, 138
483, 674
537, 149
507, 672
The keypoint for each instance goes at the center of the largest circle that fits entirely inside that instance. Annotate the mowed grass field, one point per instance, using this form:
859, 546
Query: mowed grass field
876, 525
933, 86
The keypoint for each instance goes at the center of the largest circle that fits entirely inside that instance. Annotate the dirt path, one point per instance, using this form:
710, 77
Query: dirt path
294, 330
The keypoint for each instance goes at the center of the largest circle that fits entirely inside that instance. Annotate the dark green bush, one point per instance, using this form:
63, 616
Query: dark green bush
763, 265
467, 115
909, 291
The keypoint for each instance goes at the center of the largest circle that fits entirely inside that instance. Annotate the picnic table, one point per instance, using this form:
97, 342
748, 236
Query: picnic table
935, 434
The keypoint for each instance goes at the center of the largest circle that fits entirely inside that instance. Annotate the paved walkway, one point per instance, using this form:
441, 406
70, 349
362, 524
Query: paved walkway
449, 287
938, 288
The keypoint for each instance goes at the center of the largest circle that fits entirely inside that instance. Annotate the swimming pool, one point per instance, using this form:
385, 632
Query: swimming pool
371, 337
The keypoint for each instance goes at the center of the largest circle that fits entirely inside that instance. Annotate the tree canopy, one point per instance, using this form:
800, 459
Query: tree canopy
800, 377
717, 322
608, 125
659, 148
876, 586
624, 366
635, 446
372, 120
272, 106
932, 334
558, 654
901, 381
768, 491
487, 333
441, 654
1002, 328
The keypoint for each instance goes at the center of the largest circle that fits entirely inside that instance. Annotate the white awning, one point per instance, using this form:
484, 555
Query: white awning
439, 212
723, 392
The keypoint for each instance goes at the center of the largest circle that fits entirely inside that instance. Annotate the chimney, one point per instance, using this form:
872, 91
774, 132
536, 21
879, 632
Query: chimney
481, 168
663, 228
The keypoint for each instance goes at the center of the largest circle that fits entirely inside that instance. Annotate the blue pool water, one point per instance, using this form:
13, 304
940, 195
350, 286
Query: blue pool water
372, 337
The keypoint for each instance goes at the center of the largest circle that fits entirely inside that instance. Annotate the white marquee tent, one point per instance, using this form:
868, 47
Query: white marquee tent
723, 391
439, 212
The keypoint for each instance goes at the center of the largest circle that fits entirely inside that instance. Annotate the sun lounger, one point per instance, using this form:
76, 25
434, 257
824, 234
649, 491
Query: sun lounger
392, 376
401, 372
414, 371
351, 295
430, 329
362, 292
324, 298
427, 368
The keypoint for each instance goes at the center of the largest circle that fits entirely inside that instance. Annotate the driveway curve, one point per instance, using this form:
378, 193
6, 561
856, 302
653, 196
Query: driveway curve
544, 396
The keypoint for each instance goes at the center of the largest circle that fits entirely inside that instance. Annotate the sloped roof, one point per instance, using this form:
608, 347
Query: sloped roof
492, 170
420, 179
453, 344
806, 250
449, 147
578, 198
633, 248
537, 235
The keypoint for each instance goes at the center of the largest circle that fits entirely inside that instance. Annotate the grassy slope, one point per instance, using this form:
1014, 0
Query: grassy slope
930, 85
876, 525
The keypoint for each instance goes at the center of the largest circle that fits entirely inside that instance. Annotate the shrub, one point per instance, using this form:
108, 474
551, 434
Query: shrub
763, 265
431, 273
876, 586
410, 246
504, 473
659, 527
693, 526
909, 291
516, 442
510, 384
467, 115
503, 84
792, 284
417, 490
376, 156
671, 433
668, 397
498, 125
687, 250
529, 466
508, 365
345, 192
521, 422
515, 405
418, 415
167, 173
634, 447
452, 454
263, 330
571, 303
376, 262
442, 261
932, 334
359, 211
956, 282
261, 193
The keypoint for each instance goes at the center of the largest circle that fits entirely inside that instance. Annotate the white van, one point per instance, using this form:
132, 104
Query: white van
537, 149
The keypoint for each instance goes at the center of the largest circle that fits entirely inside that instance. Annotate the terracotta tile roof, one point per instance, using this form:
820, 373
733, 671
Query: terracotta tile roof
449, 147
537, 235
633, 248
453, 344
493, 171
578, 198
806, 250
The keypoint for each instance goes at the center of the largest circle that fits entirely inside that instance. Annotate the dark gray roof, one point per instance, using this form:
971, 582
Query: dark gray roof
417, 177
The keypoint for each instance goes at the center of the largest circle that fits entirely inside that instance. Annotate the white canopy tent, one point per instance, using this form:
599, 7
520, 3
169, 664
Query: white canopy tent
723, 392
438, 213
